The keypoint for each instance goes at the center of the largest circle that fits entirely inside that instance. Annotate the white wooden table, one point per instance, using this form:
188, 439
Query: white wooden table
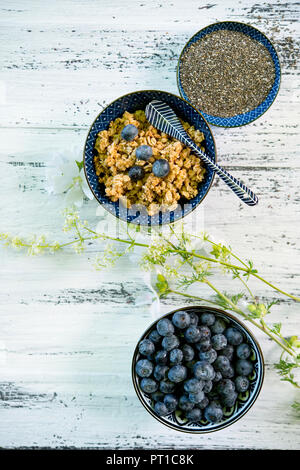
67, 332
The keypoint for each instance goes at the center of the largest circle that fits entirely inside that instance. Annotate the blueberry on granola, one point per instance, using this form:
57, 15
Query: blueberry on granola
129, 132
136, 173
161, 168
144, 152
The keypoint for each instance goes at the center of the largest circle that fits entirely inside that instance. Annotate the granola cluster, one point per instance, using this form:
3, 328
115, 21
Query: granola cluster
114, 156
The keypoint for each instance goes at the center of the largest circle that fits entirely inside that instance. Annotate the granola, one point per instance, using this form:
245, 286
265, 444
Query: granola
114, 156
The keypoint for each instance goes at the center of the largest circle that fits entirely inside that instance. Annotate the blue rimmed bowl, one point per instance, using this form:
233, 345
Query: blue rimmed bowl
245, 118
175, 420
133, 102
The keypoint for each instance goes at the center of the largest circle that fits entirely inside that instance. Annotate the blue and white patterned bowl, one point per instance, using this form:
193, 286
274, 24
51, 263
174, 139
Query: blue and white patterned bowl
132, 102
245, 118
244, 401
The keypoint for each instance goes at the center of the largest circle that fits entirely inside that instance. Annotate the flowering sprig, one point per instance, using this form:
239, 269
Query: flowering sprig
178, 261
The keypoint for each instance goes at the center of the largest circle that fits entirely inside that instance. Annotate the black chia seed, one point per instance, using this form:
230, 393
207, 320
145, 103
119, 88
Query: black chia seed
227, 73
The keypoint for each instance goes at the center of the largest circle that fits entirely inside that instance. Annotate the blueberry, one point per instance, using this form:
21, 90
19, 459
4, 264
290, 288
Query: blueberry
208, 385
161, 357
228, 351
161, 168
157, 396
154, 336
208, 319
165, 327
218, 327
171, 402
188, 352
234, 336
217, 377
243, 351
181, 319
209, 356
229, 400
193, 385
204, 345
185, 404
203, 403
194, 318
241, 383
177, 373
213, 413
218, 342
243, 367
221, 363
129, 132
205, 332
225, 386
160, 372
146, 347
170, 342
194, 415
166, 386
136, 173
161, 409
143, 152
176, 356
228, 373
148, 385
203, 370
144, 368
196, 397
192, 334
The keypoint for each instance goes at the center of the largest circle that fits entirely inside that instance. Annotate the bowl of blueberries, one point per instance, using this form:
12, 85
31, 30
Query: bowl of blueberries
197, 369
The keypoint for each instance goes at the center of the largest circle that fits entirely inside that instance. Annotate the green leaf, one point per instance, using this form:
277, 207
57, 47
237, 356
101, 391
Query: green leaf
296, 406
79, 164
162, 285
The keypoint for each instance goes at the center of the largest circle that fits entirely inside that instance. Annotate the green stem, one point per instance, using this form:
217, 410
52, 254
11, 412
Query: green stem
232, 266
262, 327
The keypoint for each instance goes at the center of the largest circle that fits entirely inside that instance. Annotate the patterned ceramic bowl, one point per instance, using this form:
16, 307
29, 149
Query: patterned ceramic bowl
245, 118
132, 102
244, 401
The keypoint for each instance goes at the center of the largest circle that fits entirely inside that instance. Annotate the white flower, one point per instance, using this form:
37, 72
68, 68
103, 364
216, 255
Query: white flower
65, 176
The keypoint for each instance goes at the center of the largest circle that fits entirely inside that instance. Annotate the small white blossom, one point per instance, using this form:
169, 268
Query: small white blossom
65, 177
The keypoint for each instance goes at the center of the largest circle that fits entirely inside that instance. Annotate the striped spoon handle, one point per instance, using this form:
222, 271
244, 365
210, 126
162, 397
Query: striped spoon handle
244, 193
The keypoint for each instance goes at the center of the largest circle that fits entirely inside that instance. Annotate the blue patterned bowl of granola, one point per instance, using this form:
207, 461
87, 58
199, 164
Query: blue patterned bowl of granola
247, 112
107, 159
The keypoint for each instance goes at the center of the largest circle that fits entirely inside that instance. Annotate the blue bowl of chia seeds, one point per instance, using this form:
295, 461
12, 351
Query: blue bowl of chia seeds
158, 384
230, 72
131, 103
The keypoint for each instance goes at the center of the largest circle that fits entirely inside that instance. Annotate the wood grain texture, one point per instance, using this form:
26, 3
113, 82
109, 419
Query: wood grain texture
68, 332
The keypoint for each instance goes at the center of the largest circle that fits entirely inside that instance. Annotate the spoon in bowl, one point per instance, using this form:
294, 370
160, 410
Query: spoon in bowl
161, 116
